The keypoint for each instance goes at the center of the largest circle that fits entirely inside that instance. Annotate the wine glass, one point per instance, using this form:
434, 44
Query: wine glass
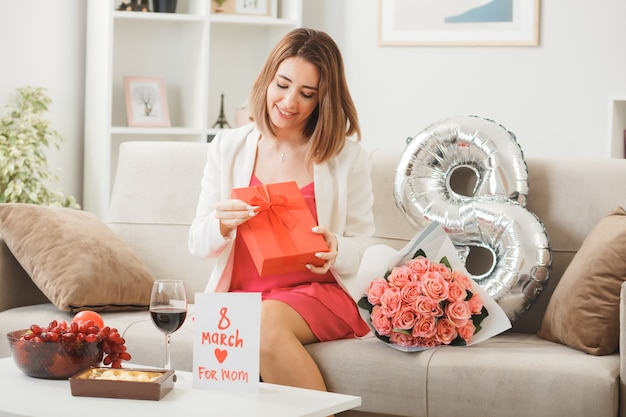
168, 309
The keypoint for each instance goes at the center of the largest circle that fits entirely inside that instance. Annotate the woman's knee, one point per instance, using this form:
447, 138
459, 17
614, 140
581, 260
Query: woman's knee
281, 323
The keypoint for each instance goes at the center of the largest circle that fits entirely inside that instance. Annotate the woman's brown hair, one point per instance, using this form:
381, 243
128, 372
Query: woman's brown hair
335, 117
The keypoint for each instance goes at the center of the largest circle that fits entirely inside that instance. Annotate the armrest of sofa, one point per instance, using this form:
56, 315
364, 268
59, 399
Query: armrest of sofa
622, 349
16, 287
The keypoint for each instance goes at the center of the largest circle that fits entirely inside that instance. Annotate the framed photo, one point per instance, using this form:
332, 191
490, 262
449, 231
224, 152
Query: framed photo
146, 102
247, 7
458, 22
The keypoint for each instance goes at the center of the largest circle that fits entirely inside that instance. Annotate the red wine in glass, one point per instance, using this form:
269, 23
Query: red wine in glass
168, 309
168, 320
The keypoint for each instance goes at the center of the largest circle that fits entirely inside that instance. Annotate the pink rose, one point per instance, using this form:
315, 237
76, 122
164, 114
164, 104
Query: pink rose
446, 331
426, 306
456, 291
435, 286
405, 318
411, 291
461, 278
466, 332
428, 342
458, 312
425, 327
475, 304
390, 301
381, 323
402, 339
399, 276
376, 288
441, 269
419, 265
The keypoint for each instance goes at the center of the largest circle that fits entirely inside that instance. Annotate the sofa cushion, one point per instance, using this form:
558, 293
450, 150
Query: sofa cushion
521, 375
512, 374
74, 258
583, 312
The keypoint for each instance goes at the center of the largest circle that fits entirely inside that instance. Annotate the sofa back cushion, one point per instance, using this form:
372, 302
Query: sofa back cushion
153, 203
570, 197
392, 226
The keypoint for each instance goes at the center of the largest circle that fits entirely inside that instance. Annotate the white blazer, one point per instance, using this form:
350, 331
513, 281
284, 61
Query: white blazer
343, 197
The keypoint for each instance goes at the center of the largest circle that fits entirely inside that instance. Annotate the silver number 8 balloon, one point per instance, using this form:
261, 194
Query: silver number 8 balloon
469, 175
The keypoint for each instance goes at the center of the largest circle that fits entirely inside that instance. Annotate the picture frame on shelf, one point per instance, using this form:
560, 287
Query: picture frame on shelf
146, 102
458, 23
246, 7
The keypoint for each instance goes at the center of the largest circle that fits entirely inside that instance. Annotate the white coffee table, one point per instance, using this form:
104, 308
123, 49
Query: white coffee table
22, 395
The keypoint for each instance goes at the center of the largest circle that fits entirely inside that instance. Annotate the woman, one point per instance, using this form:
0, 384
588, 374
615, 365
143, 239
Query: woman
303, 122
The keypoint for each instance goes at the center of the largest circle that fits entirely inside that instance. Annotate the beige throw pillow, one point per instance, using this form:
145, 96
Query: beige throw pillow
583, 312
75, 259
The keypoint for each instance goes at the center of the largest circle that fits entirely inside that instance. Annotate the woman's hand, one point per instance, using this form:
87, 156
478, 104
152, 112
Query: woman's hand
328, 257
231, 213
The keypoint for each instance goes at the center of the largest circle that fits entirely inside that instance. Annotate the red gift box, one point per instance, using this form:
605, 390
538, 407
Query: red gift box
279, 237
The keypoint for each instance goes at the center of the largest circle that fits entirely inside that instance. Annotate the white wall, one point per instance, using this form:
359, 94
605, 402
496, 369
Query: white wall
554, 97
43, 45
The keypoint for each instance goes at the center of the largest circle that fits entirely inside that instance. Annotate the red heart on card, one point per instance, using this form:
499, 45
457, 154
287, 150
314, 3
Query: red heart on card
220, 355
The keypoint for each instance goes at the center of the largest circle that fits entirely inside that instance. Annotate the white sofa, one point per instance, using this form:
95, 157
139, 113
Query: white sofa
513, 374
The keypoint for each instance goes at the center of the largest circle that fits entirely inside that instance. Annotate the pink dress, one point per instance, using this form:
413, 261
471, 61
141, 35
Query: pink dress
329, 311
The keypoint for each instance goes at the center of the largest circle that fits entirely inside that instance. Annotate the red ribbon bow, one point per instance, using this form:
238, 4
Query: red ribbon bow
277, 207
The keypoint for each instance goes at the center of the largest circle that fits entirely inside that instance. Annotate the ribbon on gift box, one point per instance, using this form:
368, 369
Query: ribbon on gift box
277, 207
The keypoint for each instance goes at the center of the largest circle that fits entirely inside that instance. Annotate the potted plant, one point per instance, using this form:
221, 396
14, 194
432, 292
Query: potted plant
220, 6
24, 135
164, 6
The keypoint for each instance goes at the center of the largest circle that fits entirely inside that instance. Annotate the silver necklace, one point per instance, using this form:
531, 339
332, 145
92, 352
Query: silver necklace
282, 157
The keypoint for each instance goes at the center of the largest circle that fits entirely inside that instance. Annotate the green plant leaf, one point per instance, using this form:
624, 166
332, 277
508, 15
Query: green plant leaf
24, 135
478, 318
385, 339
458, 341
446, 262
365, 304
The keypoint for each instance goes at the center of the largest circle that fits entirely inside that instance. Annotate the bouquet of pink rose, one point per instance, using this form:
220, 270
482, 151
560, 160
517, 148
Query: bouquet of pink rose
412, 302
424, 304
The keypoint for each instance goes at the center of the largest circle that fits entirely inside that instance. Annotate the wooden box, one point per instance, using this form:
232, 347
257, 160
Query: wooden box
136, 384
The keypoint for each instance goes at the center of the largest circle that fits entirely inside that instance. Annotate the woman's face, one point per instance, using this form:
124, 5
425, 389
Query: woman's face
293, 94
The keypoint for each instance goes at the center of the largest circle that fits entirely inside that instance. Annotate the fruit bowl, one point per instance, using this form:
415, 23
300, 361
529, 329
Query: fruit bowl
52, 360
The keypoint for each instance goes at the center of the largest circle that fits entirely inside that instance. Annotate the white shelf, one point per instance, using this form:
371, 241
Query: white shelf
232, 19
157, 131
158, 17
199, 55
617, 125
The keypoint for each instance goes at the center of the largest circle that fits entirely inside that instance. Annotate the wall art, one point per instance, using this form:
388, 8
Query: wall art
146, 102
458, 22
